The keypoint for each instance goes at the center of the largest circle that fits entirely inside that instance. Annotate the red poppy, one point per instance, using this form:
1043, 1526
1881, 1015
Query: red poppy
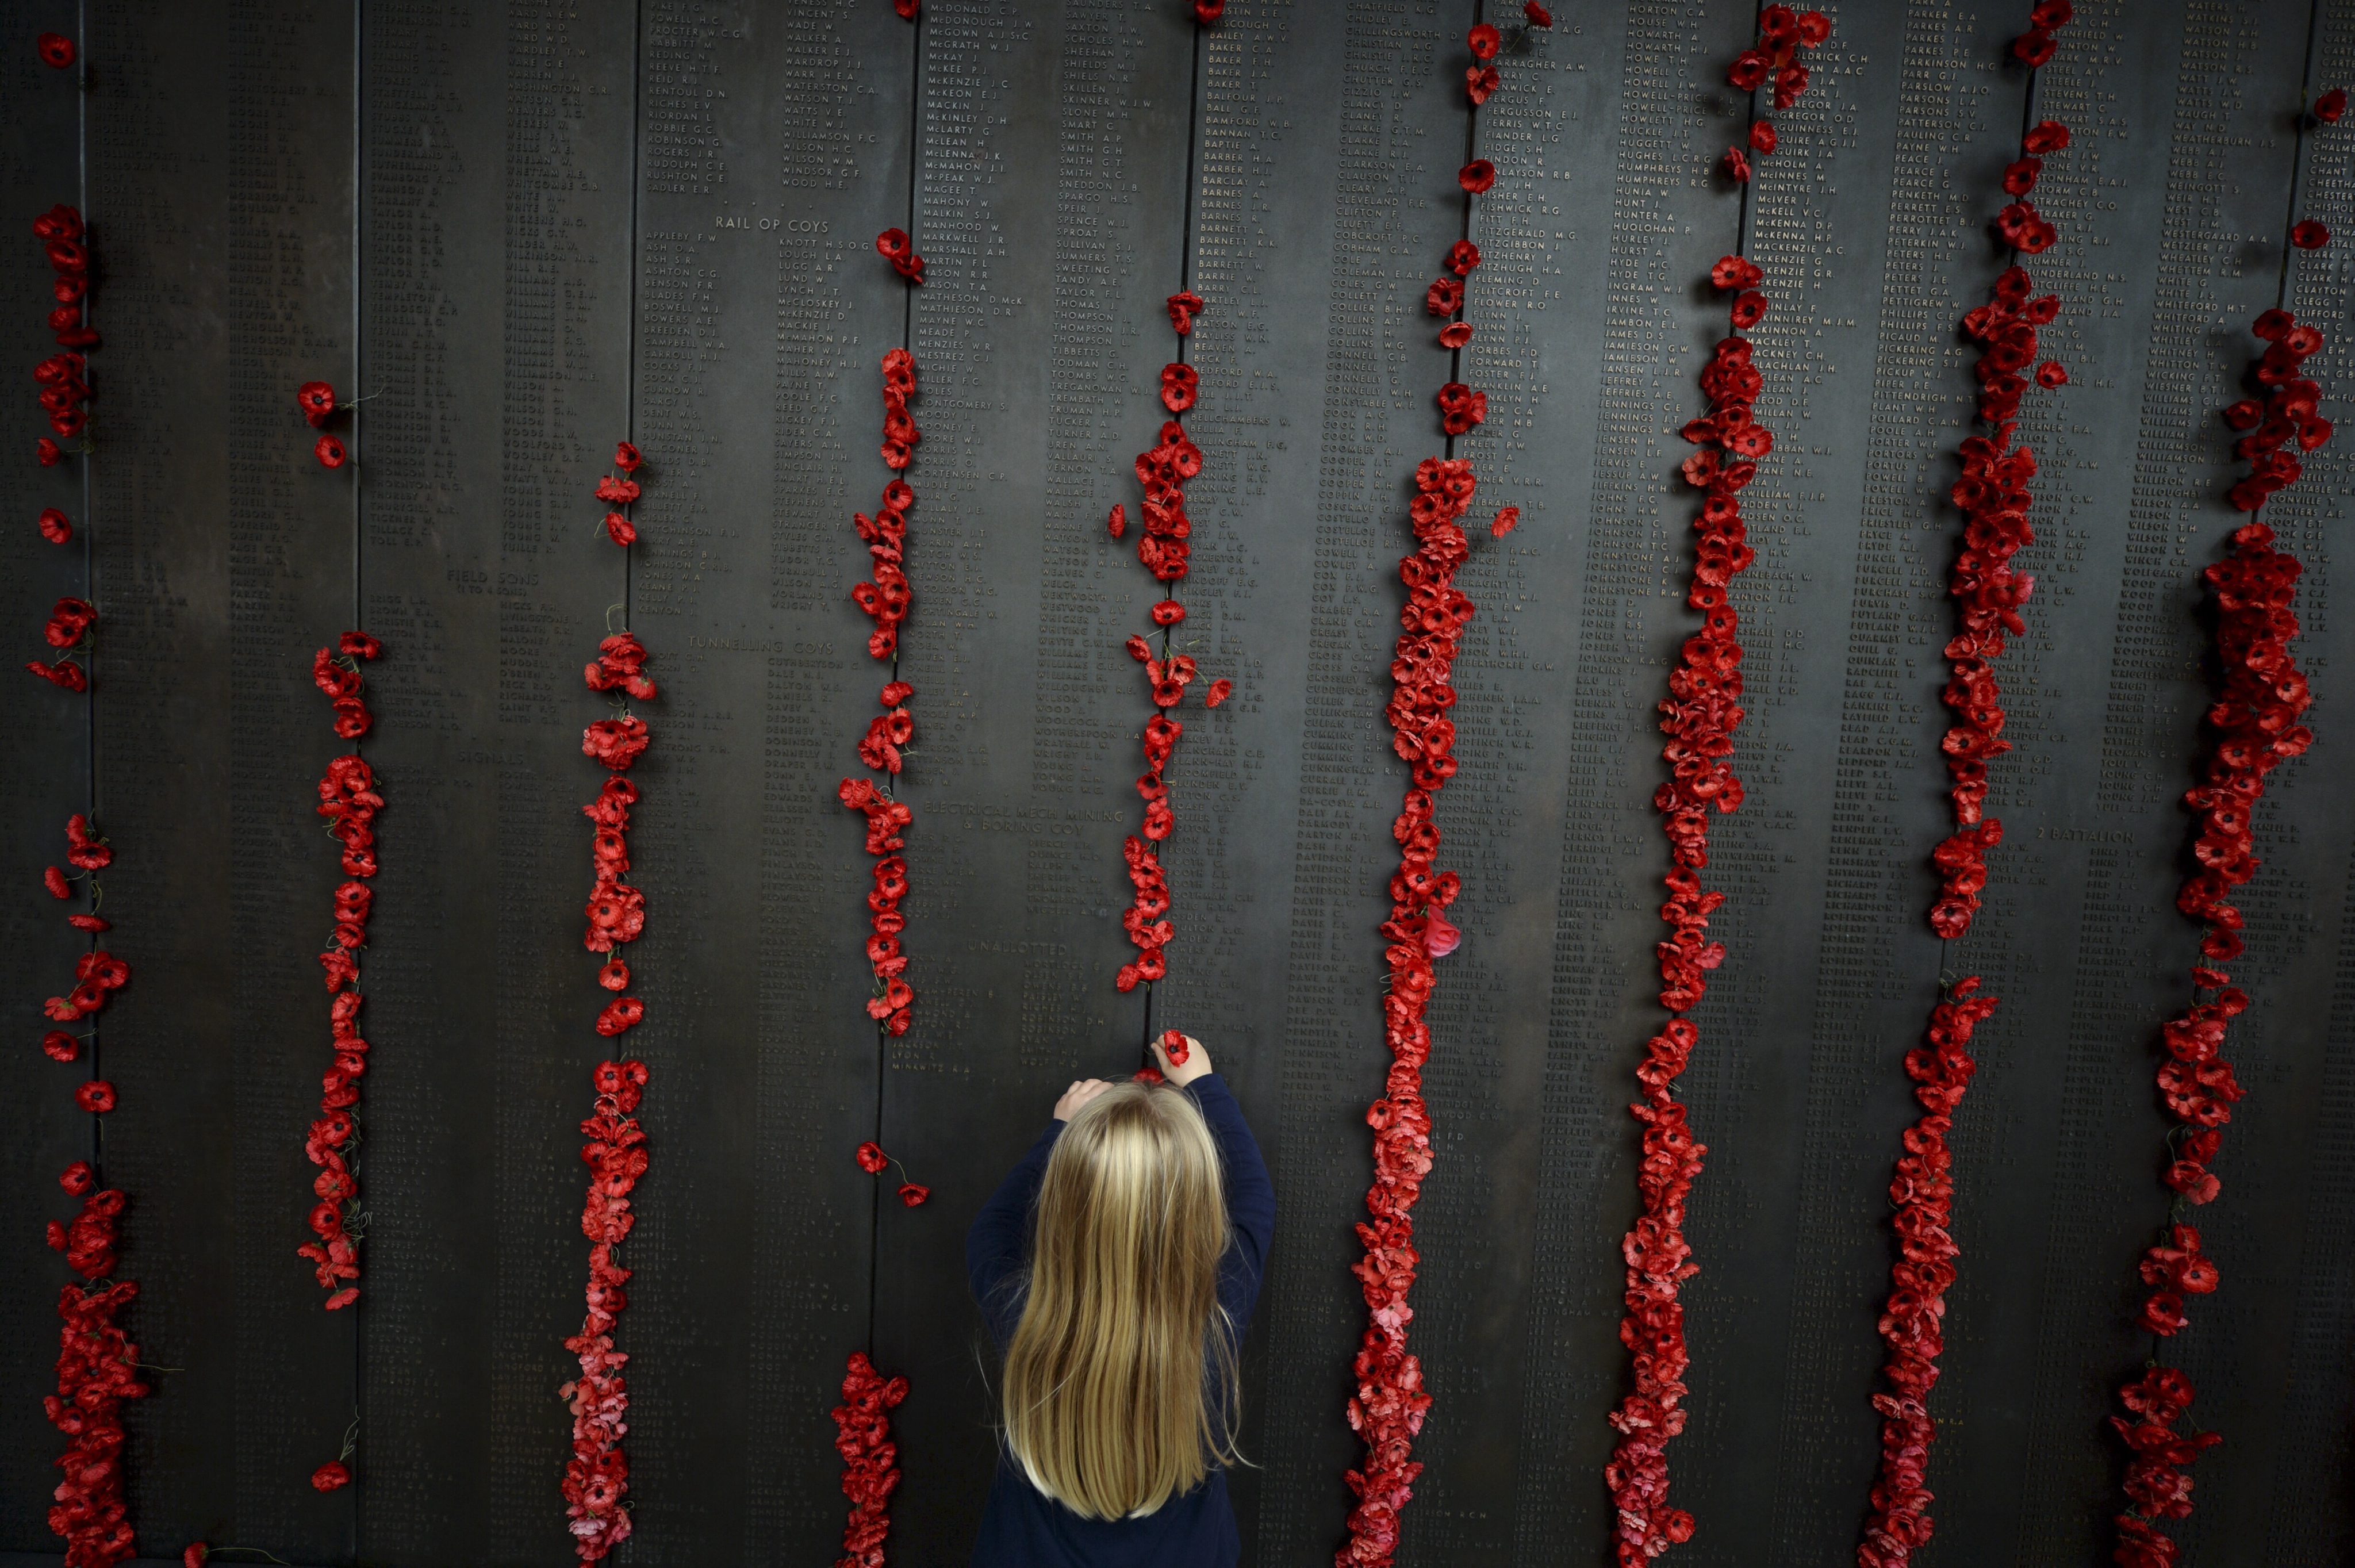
1462, 257
1749, 308
1178, 383
627, 457
895, 693
329, 452
2052, 373
2309, 235
55, 526
1790, 85
1749, 71
616, 743
1538, 14
2020, 177
1508, 518
89, 922
1205, 12
57, 50
1168, 612
1461, 408
1484, 41
1814, 27
95, 1095
2035, 45
1734, 273
1116, 521
1761, 136
1456, 334
2046, 136
613, 975
316, 399
331, 1476
59, 1046
905, 8
1444, 297
619, 491
64, 673
901, 251
1220, 691
1183, 308
1479, 83
1476, 175
55, 881
2330, 106
619, 529
872, 1159
910, 1193
620, 1015
47, 453
1736, 163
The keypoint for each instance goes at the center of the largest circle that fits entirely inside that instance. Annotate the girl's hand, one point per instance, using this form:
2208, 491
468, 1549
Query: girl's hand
1077, 1096
1196, 1063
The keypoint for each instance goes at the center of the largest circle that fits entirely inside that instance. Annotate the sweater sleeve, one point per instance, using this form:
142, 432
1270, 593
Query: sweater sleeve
994, 1248
1250, 1197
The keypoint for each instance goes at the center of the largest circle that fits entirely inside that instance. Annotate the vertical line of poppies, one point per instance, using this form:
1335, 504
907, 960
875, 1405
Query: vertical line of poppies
1390, 1400
97, 1363
1994, 499
2254, 727
1700, 716
597, 1476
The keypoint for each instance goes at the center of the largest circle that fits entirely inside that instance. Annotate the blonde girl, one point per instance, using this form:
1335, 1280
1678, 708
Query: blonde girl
1116, 1267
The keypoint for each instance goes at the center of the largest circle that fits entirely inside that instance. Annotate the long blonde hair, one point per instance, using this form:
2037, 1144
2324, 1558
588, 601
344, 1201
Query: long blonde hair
1120, 1382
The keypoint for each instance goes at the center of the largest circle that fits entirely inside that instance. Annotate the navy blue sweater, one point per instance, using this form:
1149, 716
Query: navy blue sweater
1023, 1528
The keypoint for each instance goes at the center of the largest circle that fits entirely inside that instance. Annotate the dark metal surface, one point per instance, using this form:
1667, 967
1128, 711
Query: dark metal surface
527, 230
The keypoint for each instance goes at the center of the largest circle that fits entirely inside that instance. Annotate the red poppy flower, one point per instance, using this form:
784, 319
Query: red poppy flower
616, 743
620, 1014
1462, 257
893, 695
1456, 334
872, 1159
358, 645
1178, 383
1538, 14
55, 881
2020, 177
905, 8
77, 1178
1444, 297
1479, 81
1461, 408
57, 50
2309, 235
901, 251
1790, 85
48, 454
2052, 373
64, 673
1814, 27
331, 1476
1749, 71
1183, 308
2035, 45
619, 529
95, 1095
1734, 273
1762, 137
1116, 521
1508, 518
1168, 612
627, 457
2330, 106
620, 491
1736, 163
59, 1046
2050, 15
316, 399
55, 526
2046, 136
1484, 41
910, 1193
1749, 308
1476, 175
89, 922
329, 452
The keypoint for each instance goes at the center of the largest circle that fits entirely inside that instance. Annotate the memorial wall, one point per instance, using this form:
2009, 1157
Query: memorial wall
510, 234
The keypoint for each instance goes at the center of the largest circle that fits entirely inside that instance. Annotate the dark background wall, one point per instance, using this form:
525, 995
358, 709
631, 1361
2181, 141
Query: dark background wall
528, 229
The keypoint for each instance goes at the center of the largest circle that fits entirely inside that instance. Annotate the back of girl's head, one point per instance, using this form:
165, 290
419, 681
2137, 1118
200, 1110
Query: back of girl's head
1120, 1387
